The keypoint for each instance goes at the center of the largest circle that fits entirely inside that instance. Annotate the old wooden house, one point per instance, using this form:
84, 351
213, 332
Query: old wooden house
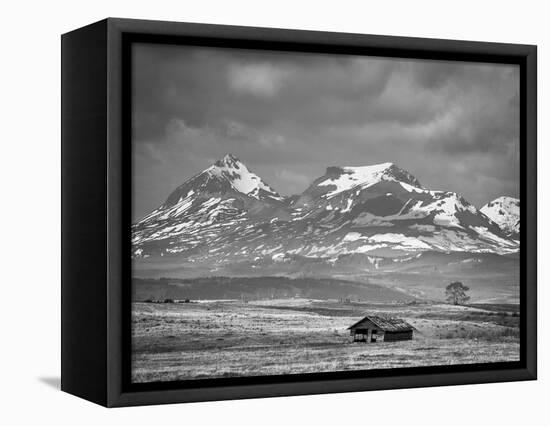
374, 328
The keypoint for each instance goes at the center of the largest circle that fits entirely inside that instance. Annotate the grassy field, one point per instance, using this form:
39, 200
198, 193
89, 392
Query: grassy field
179, 341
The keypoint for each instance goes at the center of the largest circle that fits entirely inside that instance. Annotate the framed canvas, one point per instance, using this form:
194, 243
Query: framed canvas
253, 212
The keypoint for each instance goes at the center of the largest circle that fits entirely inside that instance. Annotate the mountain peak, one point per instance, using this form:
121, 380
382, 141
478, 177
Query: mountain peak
348, 177
380, 166
504, 199
228, 160
503, 202
504, 211
233, 171
223, 179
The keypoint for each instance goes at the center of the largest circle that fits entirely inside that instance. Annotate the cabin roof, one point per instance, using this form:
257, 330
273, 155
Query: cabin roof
384, 323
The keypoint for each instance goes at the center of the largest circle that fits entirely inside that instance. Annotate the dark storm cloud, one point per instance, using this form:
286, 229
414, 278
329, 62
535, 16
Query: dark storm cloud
288, 116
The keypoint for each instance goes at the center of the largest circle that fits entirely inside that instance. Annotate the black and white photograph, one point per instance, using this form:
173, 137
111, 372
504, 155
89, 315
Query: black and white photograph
275, 213
298, 213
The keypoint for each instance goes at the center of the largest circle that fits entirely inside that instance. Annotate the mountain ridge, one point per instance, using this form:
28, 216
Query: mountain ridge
227, 213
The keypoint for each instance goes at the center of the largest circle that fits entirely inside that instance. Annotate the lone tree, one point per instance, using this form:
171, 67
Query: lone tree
456, 293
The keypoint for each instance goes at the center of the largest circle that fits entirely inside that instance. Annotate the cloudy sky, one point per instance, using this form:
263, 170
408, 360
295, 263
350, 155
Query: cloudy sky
453, 125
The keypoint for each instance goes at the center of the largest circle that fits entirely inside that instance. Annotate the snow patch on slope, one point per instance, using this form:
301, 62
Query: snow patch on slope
240, 178
408, 242
504, 211
352, 177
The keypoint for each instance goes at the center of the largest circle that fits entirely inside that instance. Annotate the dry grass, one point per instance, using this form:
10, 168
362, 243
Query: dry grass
226, 339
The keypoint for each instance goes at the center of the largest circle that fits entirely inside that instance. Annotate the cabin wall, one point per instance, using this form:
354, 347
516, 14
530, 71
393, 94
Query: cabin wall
361, 335
366, 335
398, 336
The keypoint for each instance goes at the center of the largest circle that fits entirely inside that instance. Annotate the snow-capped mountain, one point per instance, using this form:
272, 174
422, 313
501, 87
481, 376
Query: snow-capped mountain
225, 176
504, 211
338, 180
220, 197
226, 214
383, 206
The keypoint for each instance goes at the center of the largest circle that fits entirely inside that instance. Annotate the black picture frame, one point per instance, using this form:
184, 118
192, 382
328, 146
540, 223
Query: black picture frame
96, 209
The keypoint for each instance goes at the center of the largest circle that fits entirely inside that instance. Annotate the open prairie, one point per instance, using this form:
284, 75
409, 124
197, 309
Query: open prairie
229, 338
